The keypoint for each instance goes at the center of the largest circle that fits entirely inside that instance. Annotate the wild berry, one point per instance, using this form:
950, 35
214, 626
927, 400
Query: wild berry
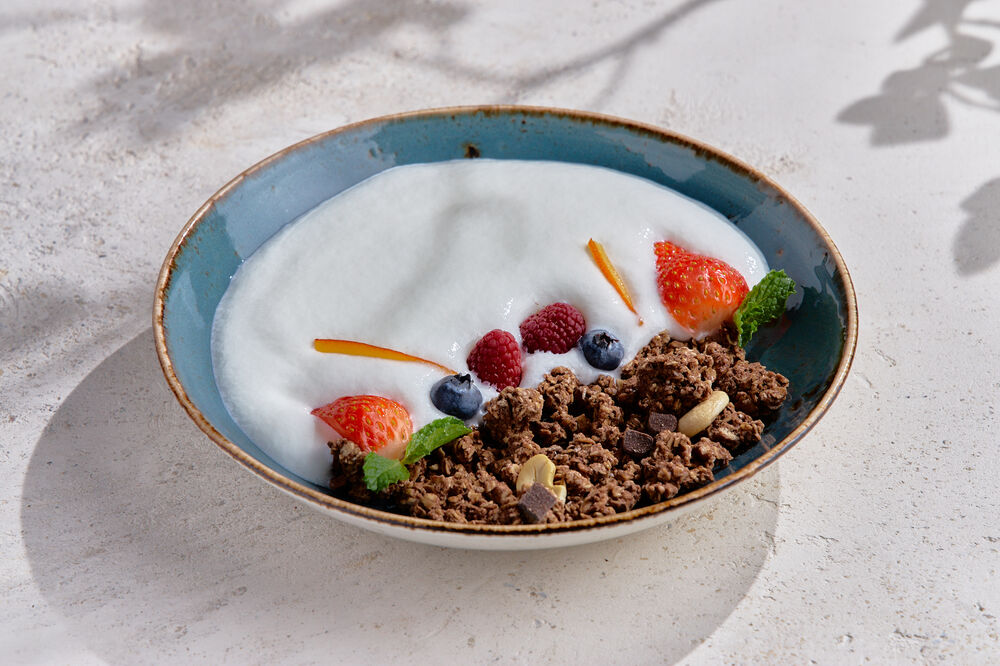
555, 328
601, 349
496, 359
457, 395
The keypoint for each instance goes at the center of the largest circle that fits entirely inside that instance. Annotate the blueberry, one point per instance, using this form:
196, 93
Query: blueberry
456, 395
601, 349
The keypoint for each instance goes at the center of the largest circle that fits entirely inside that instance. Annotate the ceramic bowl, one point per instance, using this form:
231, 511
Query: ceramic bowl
812, 345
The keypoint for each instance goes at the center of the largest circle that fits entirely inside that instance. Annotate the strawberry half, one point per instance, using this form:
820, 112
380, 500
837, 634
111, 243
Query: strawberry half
701, 293
372, 422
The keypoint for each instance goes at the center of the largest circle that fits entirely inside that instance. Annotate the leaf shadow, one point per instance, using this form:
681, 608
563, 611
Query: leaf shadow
912, 105
976, 246
218, 56
620, 51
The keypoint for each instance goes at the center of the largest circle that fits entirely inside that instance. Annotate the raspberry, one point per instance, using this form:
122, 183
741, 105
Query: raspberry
496, 359
555, 328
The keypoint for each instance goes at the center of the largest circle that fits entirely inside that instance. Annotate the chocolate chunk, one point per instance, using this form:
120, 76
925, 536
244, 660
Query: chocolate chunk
637, 444
659, 422
535, 503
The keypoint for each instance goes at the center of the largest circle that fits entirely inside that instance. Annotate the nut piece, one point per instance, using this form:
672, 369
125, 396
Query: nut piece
702, 414
537, 469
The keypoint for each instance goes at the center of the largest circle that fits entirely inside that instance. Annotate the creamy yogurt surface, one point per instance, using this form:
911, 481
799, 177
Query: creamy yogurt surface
426, 259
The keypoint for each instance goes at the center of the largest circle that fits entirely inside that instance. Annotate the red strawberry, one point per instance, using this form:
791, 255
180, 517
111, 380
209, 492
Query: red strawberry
555, 328
496, 359
701, 292
372, 422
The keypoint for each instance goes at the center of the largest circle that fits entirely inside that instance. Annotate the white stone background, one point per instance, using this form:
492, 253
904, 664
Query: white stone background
128, 538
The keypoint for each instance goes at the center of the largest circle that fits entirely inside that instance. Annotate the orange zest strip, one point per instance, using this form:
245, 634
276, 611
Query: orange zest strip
351, 348
611, 275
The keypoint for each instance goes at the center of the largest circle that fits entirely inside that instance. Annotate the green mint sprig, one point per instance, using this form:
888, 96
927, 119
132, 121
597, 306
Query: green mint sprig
381, 472
766, 301
435, 434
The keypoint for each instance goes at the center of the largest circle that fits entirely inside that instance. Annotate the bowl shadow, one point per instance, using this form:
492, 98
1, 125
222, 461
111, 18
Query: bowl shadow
154, 547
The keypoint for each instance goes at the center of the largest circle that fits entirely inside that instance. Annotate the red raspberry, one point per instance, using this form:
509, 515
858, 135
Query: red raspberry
555, 328
496, 359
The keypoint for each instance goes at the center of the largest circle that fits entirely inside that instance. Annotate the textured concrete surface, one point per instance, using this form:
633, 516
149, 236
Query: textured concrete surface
127, 538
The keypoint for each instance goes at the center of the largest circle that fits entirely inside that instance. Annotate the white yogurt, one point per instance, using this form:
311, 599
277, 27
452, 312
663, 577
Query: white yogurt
427, 258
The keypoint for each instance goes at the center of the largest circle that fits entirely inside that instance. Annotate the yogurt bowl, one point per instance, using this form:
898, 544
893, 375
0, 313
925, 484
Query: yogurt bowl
812, 346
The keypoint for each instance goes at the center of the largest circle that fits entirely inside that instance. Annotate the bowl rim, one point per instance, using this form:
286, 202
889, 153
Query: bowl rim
330, 503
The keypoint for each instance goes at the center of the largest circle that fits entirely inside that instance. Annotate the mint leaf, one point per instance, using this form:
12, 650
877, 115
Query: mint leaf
766, 301
381, 472
436, 433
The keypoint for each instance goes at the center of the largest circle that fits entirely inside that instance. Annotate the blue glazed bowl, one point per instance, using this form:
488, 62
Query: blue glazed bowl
812, 345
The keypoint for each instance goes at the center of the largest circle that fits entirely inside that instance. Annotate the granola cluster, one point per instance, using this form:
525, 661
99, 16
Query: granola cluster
582, 429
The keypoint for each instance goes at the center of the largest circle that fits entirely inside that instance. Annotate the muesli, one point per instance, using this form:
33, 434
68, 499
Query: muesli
614, 444
472, 356
566, 450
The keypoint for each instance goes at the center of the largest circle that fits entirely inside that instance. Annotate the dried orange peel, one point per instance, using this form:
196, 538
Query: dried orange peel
352, 348
611, 274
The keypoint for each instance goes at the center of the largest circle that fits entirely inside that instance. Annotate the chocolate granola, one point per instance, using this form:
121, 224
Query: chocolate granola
609, 440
